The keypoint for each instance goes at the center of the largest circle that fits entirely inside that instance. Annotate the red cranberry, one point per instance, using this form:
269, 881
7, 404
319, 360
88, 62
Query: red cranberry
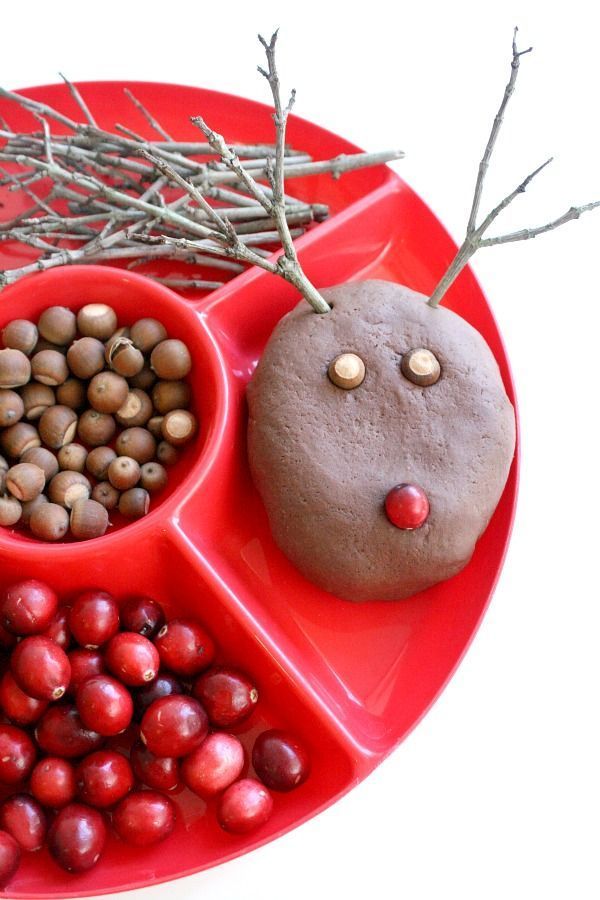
280, 760
24, 818
185, 648
94, 618
17, 754
143, 615
163, 686
143, 818
215, 765
18, 706
58, 630
104, 704
244, 806
84, 664
76, 837
103, 778
174, 726
60, 732
227, 695
158, 772
7, 640
53, 783
407, 506
41, 668
10, 857
27, 607
132, 658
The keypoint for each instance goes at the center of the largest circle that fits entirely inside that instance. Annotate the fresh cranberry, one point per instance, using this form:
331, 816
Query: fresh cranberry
84, 664
174, 726
24, 818
143, 818
103, 778
17, 754
53, 782
58, 630
7, 640
245, 805
227, 695
185, 648
76, 837
10, 857
27, 607
215, 765
41, 668
60, 732
407, 506
94, 618
163, 686
143, 615
158, 772
280, 760
16, 705
132, 658
104, 704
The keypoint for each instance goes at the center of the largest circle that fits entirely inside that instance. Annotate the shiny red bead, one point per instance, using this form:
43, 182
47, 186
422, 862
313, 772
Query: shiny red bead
174, 726
185, 647
407, 506
103, 778
245, 806
94, 618
27, 607
17, 754
104, 704
216, 764
132, 658
40, 668
24, 818
76, 837
144, 818
53, 783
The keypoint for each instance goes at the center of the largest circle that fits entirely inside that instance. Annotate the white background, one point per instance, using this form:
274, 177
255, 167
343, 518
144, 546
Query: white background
496, 793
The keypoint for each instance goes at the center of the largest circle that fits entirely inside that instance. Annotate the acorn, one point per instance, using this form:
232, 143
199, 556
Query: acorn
58, 325
57, 426
72, 457
137, 443
86, 357
122, 332
107, 392
11, 408
169, 395
167, 454
171, 360
15, 440
347, 371
106, 494
147, 333
178, 427
97, 320
154, 426
95, 428
10, 510
29, 506
71, 393
89, 519
25, 481
134, 503
153, 477
98, 460
124, 473
44, 459
124, 358
49, 521
36, 399
49, 367
15, 368
144, 379
136, 410
421, 366
67, 487
20, 334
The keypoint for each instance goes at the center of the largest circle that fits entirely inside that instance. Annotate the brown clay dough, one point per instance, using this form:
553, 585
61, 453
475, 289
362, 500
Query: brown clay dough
323, 458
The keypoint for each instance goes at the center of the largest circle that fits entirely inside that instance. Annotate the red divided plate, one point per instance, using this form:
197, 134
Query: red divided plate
350, 680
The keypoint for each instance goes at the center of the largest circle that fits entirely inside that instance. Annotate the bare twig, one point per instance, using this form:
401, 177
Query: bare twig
79, 100
147, 115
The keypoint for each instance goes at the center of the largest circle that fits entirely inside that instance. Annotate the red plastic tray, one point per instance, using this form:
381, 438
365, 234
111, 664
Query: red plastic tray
351, 680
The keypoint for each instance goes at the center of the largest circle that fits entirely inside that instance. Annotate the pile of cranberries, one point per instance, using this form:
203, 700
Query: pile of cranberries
76, 677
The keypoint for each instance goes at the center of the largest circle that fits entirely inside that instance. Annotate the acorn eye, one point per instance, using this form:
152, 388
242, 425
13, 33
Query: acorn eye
421, 367
347, 371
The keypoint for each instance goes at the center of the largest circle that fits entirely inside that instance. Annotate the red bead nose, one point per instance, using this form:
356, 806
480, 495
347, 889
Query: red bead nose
407, 506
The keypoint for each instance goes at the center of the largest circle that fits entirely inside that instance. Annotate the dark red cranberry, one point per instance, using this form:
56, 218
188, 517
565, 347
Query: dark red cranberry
132, 658
227, 695
143, 615
27, 607
7, 640
104, 704
60, 732
94, 618
216, 764
185, 648
245, 805
280, 760
84, 664
76, 837
17, 754
163, 686
41, 668
10, 857
18, 706
53, 782
143, 818
24, 818
158, 772
174, 726
407, 506
103, 778
58, 630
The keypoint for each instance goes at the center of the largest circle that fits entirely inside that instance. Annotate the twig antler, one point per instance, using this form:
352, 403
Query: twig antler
474, 238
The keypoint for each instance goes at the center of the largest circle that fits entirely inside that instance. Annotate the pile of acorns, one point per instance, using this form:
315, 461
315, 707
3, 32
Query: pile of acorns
118, 391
